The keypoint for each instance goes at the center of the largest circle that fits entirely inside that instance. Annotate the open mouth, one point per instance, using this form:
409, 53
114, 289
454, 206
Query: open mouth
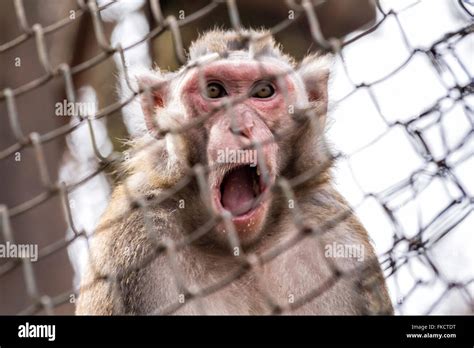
241, 190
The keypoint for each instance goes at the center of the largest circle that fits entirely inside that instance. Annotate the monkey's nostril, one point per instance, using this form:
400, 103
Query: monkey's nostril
244, 130
238, 132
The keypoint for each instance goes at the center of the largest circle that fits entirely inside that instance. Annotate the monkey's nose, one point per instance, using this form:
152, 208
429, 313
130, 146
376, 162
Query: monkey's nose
243, 126
244, 131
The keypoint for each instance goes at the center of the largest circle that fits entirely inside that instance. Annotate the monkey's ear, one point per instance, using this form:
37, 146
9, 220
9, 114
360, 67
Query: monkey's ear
155, 90
314, 71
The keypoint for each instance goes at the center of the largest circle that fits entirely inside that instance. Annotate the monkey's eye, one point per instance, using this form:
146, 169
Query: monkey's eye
263, 90
215, 90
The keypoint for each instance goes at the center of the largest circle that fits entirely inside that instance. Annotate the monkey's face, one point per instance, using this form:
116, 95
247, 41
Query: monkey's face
242, 152
247, 107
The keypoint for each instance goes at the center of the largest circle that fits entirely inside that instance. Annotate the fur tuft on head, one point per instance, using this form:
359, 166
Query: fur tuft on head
256, 42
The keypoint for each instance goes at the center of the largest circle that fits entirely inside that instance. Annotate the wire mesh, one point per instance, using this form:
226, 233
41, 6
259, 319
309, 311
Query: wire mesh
414, 127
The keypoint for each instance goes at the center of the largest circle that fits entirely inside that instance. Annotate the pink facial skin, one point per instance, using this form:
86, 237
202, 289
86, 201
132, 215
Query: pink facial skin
256, 119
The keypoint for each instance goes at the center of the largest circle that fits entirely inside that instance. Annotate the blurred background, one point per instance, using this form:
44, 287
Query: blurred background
401, 119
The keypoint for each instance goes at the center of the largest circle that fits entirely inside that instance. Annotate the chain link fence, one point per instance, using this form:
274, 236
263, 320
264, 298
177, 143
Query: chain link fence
452, 71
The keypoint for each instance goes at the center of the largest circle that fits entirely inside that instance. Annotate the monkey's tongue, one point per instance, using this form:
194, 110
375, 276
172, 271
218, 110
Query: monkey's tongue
238, 191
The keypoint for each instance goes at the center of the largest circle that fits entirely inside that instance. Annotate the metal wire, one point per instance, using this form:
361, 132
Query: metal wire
419, 245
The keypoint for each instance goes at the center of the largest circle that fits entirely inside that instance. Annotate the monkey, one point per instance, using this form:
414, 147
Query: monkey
188, 233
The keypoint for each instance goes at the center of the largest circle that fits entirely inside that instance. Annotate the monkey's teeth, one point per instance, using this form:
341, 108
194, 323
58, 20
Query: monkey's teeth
258, 171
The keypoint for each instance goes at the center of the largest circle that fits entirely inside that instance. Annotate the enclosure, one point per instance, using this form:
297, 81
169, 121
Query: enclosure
401, 127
